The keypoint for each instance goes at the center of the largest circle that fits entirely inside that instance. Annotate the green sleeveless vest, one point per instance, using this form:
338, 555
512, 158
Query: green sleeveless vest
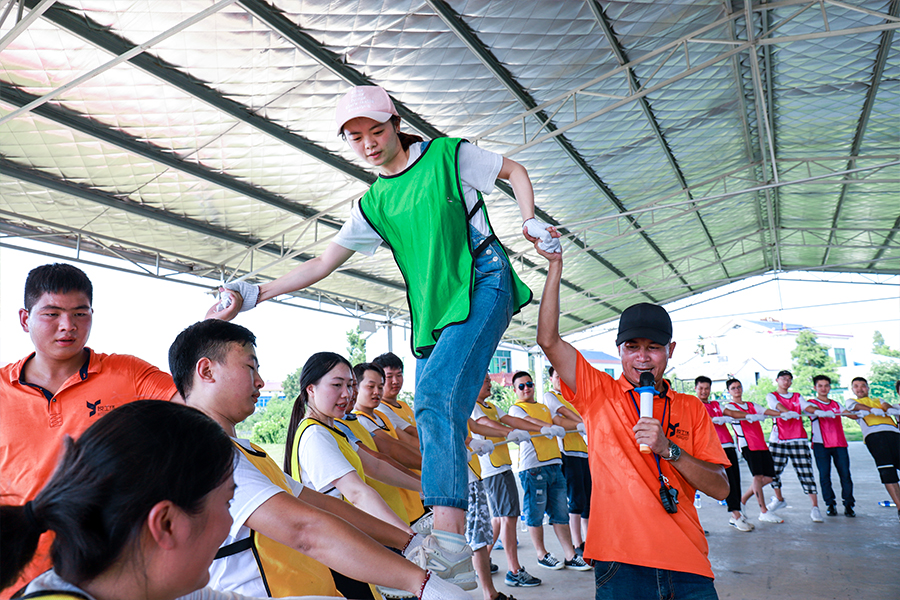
421, 215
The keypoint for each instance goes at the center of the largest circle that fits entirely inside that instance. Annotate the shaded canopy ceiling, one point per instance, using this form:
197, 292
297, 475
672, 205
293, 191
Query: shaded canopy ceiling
679, 144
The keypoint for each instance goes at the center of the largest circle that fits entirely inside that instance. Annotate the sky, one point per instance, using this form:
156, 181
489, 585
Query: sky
141, 315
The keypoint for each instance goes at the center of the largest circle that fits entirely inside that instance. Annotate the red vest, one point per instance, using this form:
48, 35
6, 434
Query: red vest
832, 429
790, 429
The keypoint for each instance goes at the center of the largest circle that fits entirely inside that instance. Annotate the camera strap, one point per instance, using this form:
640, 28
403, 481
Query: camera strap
663, 480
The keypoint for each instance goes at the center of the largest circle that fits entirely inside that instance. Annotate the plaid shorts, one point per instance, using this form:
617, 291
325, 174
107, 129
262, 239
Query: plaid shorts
479, 532
798, 452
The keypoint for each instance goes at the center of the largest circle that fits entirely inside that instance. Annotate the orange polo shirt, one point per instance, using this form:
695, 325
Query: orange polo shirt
628, 523
34, 423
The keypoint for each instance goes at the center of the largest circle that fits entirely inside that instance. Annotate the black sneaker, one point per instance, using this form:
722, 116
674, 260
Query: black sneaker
849, 512
502, 596
579, 550
577, 564
521, 579
494, 568
832, 510
549, 562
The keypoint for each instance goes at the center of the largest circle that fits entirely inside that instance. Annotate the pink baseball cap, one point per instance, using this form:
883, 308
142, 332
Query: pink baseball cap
370, 101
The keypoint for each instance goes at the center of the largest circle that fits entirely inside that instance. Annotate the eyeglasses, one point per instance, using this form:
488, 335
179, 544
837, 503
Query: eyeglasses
529, 384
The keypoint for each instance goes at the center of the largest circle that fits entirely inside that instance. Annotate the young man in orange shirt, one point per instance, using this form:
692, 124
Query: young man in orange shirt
638, 544
60, 389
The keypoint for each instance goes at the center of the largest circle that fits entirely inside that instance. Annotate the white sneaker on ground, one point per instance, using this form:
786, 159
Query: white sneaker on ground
741, 524
770, 517
776, 504
454, 567
815, 515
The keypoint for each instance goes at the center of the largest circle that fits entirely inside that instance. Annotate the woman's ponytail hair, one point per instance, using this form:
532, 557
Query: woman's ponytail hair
107, 482
318, 365
406, 139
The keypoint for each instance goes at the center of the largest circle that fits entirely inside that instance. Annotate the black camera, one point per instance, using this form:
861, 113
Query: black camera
668, 496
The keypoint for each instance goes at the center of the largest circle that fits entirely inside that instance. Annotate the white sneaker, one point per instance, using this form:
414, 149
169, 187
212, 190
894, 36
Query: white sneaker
776, 504
740, 524
815, 515
453, 567
424, 524
770, 517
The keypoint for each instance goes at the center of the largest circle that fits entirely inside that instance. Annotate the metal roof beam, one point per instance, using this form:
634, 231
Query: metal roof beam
634, 84
470, 40
101, 36
887, 243
36, 177
887, 38
274, 18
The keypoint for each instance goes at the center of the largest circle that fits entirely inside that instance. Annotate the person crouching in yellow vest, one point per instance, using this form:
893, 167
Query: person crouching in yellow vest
285, 535
543, 483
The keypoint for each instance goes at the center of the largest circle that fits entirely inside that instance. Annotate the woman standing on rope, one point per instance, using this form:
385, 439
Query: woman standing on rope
426, 206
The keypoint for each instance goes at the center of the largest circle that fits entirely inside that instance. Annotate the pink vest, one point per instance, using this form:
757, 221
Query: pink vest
790, 429
715, 410
753, 434
832, 429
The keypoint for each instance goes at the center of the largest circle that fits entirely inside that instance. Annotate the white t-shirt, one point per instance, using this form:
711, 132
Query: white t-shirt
238, 572
488, 469
321, 461
348, 432
553, 403
478, 170
50, 581
816, 430
372, 426
396, 420
527, 456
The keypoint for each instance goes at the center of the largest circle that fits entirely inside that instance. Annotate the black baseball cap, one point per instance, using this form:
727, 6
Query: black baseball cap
784, 372
645, 320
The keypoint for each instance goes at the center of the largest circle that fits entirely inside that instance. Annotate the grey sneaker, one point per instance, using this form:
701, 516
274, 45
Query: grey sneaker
424, 524
549, 562
577, 564
521, 579
770, 517
453, 567
816, 515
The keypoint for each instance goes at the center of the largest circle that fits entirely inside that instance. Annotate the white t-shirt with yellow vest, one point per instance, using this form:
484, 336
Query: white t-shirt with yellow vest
553, 402
528, 458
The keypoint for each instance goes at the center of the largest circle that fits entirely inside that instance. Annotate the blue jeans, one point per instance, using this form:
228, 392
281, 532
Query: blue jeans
615, 581
841, 459
448, 380
544, 490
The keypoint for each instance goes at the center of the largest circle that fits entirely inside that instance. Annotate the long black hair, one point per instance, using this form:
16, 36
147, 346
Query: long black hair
108, 480
318, 365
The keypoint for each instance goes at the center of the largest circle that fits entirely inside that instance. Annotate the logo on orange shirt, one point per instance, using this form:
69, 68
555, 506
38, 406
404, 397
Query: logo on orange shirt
95, 407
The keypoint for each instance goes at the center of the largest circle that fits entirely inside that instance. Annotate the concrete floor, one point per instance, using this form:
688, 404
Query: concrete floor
857, 559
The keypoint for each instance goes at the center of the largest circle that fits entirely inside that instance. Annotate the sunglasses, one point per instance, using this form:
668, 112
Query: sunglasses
529, 384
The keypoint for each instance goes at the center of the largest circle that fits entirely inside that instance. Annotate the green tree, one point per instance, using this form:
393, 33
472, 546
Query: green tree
268, 425
290, 387
811, 358
356, 346
757, 392
879, 347
882, 378
502, 396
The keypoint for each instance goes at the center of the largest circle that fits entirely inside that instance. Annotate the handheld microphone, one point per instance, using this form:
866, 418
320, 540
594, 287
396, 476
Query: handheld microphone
647, 391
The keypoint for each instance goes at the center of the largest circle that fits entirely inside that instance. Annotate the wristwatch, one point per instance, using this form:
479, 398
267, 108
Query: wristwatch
674, 452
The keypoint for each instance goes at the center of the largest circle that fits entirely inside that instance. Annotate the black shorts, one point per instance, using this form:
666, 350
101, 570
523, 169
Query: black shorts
759, 462
884, 446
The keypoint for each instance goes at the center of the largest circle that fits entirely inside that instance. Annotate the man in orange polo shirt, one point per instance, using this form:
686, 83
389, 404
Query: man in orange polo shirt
59, 389
640, 548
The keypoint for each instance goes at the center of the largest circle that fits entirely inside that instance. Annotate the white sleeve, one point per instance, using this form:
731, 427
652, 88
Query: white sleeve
552, 402
517, 411
396, 420
251, 491
772, 400
804, 403
477, 413
356, 234
479, 168
500, 412
368, 424
321, 461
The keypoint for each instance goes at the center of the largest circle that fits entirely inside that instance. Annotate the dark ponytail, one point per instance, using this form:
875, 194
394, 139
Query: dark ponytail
318, 365
406, 139
108, 480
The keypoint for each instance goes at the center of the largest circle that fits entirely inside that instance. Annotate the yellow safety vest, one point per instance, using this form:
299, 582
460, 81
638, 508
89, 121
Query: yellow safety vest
343, 445
500, 455
404, 411
474, 463
874, 419
411, 500
390, 494
54, 595
545, 449
573, 442
284, 571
